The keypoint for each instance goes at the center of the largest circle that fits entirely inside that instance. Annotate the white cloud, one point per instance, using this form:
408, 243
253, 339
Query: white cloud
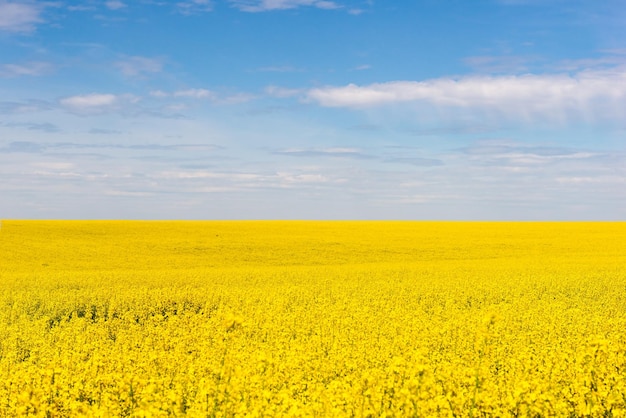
96, 103
136, 65
89, 100
19, 16
35, 68
114, 4
266, 5
587, 95
290, 178
196, 94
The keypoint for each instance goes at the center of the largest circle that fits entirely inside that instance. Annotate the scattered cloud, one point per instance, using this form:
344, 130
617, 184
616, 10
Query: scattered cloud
194, 6
325, 152
486, 180
101, 131
362, 67
89, 101
267, 5
205, 181
524, 157
20, 16
159, 94
96, 103
28, 106
196, 94
33, 68
357, 154
590, 95
615, 51
453, 129
114, 5
586, 180
356, 11
81, 8
236, 98
137, 66
291, 178
32, 126
203, 94
615, 60
415, 161
67, 147
21, 146
282, 92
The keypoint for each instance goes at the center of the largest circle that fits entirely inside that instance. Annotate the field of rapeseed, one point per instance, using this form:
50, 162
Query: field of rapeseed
312, 319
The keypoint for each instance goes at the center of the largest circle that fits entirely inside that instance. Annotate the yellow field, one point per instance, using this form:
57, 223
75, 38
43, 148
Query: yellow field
312, 319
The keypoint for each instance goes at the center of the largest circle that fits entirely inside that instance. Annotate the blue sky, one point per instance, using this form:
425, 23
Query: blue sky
313, 109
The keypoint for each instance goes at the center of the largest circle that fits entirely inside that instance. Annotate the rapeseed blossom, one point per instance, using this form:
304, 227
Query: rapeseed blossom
312, 319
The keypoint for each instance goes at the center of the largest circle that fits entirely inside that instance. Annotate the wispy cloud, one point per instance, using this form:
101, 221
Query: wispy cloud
267, 5
590, 95
356, 11
415, 161
194, 6
69, 148
203, 94
282, 92
196, 94
81, 8
21, 147
357, 154
28, 106
102, 131
89, 101
33, 68
136, 66
510, 64
599, 63
96, 103
33, 126
20, 16
495, 179
115, 4
324, 152
533, 160
205, 181
598, 180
